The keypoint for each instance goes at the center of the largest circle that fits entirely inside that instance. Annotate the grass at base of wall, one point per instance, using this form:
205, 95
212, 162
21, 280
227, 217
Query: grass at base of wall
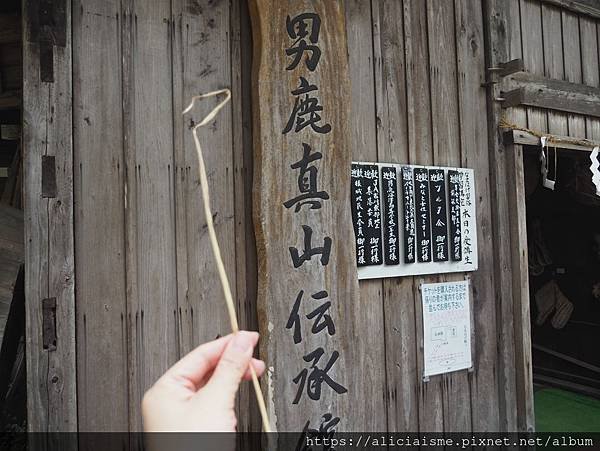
560, 410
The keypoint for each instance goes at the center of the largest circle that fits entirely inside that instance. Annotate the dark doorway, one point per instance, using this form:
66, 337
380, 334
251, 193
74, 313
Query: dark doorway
563, 229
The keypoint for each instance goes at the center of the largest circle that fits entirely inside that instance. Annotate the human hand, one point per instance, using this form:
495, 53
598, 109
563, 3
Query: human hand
197, 394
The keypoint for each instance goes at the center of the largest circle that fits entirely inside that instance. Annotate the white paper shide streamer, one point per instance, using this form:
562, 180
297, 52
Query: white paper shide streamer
544, 166
595, 168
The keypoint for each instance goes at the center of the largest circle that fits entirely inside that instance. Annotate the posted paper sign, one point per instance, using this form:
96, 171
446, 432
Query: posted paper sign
446, 327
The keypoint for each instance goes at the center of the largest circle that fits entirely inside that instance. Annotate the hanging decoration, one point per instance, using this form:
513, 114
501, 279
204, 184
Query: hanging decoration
595, 169
544, 154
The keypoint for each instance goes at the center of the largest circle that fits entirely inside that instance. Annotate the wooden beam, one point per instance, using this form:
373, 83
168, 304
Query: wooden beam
10, 100
49, 239
553, 94
508, 68
497, 26
520, 274
10, 28
563, 142
279, 141
585, 7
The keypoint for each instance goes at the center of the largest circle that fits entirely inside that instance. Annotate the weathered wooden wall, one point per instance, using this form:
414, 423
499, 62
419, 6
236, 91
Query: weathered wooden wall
146, 290
559, 41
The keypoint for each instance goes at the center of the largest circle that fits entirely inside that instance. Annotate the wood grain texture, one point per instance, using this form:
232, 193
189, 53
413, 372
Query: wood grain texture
152, 294
421, 152
392, 146
146, 288
533, 55
98, 136
278, 228
514, 43
553, 61
595, 131
202, 33
488, 411
246, 272
590, 65
363, 138
528, 139
573, 66
364, 147
501, 32
445, 120
520, 266
549, 94
49, 251
588, 8
149, 197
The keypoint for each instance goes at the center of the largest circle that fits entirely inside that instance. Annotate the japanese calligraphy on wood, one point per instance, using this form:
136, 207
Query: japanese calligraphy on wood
307, 278
437, 213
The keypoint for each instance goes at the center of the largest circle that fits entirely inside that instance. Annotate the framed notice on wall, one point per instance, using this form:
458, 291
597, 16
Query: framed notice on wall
411, 220
446, 327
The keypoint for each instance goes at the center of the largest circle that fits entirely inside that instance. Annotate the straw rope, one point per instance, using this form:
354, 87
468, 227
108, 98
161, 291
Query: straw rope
213, 236
550, 139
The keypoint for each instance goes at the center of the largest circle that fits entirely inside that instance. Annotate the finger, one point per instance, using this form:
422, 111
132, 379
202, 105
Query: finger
259, 369
193, 367
232, 366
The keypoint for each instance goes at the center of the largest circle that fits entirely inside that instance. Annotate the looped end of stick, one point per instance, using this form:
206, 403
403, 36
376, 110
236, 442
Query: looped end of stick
210, 116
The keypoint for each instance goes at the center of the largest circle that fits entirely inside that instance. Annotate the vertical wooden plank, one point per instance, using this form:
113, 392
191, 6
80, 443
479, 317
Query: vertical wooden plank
201, 38
99, 217
150, 247
515, 50
520, 265
572, 62
180, 176
590, 67
595, 131
447, 152
363, 143
504, 22
533, 54
553, 61
421, 152
241, 88
489, 403
49, 255
135, 319
500, 29
290, 355
392, 146
489, 407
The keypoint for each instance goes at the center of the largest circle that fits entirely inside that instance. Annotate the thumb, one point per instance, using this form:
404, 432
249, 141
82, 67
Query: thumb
232, 366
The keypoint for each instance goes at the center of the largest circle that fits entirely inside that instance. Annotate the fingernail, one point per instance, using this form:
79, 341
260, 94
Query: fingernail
242, 342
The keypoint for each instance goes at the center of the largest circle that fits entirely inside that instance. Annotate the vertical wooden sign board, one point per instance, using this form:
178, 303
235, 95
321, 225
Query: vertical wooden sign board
307, 275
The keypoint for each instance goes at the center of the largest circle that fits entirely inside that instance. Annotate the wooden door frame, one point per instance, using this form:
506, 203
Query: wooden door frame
515, 380
48, 205
515, 179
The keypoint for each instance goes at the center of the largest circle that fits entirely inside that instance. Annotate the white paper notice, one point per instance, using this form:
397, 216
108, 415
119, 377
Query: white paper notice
446, 327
